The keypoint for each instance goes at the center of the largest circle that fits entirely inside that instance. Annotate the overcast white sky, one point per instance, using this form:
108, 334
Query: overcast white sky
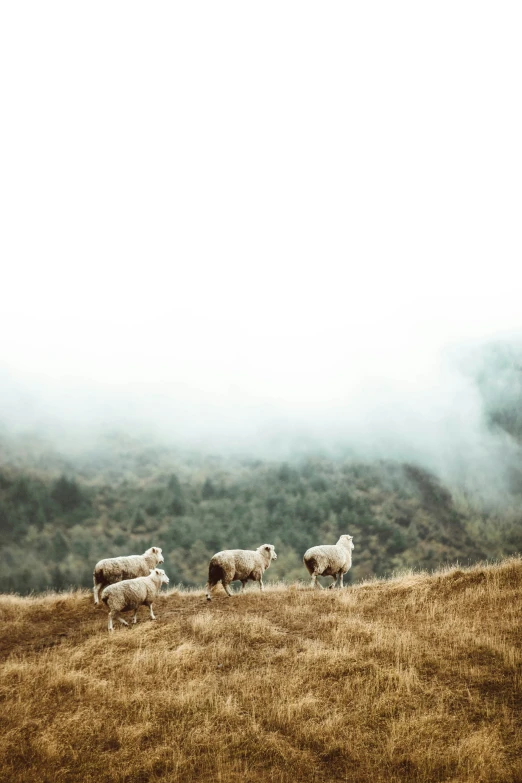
219, 212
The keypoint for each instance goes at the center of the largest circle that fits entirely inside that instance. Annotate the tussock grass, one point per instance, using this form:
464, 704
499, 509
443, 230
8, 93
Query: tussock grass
418, 678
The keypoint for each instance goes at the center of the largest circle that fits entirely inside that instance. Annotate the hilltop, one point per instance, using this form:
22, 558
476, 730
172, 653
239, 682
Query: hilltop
417, 678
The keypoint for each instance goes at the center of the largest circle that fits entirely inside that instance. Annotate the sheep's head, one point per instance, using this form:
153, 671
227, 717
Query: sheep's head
268, 549
156, 550
346, 541
160, 572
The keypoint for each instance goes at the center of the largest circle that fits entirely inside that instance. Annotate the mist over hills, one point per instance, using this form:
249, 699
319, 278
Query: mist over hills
455, 409
68, 500
293, 263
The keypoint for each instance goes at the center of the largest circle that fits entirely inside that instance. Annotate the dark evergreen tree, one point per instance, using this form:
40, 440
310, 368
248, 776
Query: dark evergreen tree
66, 493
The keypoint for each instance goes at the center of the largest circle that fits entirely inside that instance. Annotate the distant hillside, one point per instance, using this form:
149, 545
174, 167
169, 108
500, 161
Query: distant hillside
413, 679
63, 508
59, 515
497, 371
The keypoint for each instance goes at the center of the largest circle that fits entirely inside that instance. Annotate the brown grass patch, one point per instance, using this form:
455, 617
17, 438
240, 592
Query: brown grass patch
413, 679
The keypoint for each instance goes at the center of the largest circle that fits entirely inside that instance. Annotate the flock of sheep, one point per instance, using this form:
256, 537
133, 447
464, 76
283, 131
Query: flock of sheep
126, 583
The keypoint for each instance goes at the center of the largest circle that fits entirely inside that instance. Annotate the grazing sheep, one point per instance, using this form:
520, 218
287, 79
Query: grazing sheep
115, 569
243, 564
133, 593
330, 561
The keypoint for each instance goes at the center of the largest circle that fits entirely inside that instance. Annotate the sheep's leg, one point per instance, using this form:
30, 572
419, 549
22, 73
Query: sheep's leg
335, 582
315, 583
243, 585
261, 585
122, 621
135, 617
96, 590
228, 591
111, 627
207, 592
152, 615
341, 583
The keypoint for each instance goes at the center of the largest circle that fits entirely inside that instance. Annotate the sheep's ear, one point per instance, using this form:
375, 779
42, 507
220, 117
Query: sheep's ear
268, 547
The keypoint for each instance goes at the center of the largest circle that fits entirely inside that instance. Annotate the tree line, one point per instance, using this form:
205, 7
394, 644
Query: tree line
54, 528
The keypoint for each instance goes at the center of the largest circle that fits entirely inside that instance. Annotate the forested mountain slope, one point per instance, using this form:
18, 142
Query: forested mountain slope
59, 515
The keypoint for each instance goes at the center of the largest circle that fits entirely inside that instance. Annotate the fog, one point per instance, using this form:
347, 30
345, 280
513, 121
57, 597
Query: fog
261, 230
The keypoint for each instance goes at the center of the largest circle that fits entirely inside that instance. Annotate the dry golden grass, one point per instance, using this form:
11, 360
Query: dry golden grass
413, 679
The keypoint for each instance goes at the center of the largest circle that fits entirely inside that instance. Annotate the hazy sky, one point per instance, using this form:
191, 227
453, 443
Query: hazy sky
224, 214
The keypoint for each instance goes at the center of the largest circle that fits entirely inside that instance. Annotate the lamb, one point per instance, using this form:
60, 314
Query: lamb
115, 569
133, 593
242, 564
330, 561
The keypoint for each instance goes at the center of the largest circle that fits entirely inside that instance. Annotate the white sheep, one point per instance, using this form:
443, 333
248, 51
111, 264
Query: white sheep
242, 564
330, 560
115, 569
133, 593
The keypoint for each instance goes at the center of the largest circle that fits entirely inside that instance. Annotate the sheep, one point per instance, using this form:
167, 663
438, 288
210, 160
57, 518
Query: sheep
242, 564
133, 593
330, 561
115, 569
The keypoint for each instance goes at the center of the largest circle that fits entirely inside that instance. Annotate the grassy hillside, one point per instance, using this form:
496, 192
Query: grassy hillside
413, 679
58, 517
